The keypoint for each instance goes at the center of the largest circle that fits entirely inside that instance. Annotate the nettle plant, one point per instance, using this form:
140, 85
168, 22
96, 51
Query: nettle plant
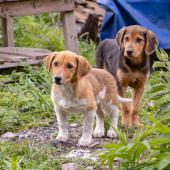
149, 149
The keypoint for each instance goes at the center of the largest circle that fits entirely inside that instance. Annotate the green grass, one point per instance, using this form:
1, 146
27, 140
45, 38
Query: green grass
24, 155
25, 100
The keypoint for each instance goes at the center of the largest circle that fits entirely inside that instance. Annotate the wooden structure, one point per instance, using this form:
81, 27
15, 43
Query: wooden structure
83, 8
11, 8
12, 57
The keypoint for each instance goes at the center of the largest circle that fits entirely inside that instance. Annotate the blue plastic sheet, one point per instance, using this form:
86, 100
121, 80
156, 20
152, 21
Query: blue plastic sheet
151, 14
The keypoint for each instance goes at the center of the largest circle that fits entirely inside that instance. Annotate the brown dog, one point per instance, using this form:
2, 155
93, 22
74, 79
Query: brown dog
128, 59
78, 88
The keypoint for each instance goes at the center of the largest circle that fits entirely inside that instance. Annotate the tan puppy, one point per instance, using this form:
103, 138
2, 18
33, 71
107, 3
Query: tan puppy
79, 88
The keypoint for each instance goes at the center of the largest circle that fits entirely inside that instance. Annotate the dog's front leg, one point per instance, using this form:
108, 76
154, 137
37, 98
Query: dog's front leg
62, 124
86, 138
135, 106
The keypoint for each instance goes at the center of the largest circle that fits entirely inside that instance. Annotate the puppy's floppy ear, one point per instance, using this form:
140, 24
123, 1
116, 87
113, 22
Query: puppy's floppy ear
120, 35
47, 61
151, 42
83, 67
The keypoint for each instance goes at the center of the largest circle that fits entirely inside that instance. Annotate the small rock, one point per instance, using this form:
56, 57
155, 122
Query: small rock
150, 104
70, 166
81, 153
89, 168
73, 125
24, 134
9, 135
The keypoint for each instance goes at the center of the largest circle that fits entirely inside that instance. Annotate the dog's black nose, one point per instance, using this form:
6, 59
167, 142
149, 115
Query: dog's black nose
57, 80
129, 52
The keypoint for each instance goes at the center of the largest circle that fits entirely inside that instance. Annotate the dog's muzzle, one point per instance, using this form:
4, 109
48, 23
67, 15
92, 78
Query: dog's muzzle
58, 80
129, 53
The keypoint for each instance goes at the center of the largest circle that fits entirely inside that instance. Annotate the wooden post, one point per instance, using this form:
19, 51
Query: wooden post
7, 30
69, 29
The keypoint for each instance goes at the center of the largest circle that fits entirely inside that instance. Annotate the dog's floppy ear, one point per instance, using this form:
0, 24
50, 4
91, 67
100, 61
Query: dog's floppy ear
151, 42
47, 61
120, 35
83, 67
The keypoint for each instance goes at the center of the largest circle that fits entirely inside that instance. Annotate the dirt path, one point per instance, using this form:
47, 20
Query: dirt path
70, 149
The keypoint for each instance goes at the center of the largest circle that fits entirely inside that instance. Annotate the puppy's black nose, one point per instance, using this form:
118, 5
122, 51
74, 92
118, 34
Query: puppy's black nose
129, 52
57, 80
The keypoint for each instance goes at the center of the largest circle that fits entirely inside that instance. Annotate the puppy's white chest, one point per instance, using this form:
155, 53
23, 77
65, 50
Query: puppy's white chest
66, 100
74, 105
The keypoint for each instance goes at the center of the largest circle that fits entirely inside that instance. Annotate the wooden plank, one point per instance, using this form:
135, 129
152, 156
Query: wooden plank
7, 30
81, 2
16, 50
21, 64
8, 0
35, 55
31, 7
13, 58
96, 8
80, 16
69, 29
26, 52
2, 60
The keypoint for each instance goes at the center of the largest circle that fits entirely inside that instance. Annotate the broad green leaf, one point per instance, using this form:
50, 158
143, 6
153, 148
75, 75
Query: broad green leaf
158, 64
157, 88
110, 164
162, 55
144, 165
112, 146
159, 95
165, 117
160, 140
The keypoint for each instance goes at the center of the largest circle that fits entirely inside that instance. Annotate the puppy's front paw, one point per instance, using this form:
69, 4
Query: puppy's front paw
111, 133
98, 133
85, 141
61, 138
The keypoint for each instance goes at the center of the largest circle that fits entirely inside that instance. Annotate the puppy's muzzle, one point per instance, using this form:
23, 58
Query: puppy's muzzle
129, 52
57, 80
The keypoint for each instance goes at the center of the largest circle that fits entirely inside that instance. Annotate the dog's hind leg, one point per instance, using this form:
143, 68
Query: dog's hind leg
99, 129
113, 112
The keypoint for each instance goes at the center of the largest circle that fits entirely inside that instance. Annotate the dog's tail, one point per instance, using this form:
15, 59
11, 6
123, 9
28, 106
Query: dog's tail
124, 100
99, 56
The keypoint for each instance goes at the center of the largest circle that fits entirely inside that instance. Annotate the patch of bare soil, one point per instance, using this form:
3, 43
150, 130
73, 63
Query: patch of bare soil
69, 149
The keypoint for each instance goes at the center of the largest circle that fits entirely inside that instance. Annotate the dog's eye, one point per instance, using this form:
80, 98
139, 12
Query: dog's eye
55, 64
69, 66
126, 38
138, 40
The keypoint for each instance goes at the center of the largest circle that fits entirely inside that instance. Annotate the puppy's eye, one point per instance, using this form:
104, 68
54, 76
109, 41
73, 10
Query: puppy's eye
126, 38
55, 64
138, 40
69, 66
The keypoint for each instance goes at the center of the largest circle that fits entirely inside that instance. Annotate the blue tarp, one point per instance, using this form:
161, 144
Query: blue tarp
151, 14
